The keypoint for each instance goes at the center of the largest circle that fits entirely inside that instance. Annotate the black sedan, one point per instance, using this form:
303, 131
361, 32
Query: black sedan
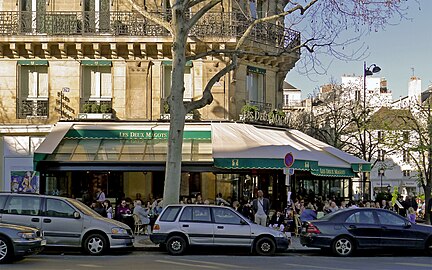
346, 230
18, 241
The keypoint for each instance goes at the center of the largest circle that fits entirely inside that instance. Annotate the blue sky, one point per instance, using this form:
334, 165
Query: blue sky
397, 50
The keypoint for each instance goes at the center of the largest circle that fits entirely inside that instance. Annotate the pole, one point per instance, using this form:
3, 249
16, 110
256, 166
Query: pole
364, 128
381, 182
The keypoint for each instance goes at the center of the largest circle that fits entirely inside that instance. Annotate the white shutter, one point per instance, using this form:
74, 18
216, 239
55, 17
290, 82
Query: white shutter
188, 94
43, 85
95, 84
33, 83
106, 85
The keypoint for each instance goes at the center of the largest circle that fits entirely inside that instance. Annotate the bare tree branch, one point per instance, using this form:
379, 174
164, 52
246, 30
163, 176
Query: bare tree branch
151, 16
207, 96
201, 12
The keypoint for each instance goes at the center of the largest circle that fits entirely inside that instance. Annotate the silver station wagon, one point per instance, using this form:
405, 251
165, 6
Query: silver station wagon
181, 226
65, 222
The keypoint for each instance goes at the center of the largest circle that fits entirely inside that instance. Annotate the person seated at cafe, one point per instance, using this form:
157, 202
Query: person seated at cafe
277, 221
97, 206
122, 209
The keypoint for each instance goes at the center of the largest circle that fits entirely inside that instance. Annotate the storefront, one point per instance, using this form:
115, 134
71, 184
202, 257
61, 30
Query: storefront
128, 159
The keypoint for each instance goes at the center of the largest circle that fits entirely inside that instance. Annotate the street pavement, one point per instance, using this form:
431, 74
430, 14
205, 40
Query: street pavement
142, 242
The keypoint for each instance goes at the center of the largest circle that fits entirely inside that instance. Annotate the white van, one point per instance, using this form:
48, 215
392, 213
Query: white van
65, 222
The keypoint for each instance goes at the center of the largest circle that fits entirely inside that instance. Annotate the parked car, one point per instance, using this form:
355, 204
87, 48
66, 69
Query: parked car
65, 222
181, 226
18, 241
347, 230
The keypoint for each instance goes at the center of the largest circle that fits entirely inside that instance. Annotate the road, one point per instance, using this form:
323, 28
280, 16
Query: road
156, 260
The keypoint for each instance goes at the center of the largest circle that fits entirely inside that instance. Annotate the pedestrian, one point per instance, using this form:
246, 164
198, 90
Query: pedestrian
261, 207
412, 215
100, 195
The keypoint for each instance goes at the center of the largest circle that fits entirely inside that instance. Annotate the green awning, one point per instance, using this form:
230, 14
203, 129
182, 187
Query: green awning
32, 62
272, 163
169, 63
106, 63
256, 70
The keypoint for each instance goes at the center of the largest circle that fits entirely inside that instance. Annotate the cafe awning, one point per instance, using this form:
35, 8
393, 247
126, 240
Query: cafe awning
243, 146
231, 146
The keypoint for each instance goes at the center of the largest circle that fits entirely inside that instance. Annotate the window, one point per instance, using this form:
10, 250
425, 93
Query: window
364, 217
386, 218
405, 156
225, 216
170, 214
2, 201
58, 208
405, 136
196, 214
381, 154
406, 173
23, 205
380, 136
33, 90
286, 100
96, 92
255, 84
32, 15
188, 81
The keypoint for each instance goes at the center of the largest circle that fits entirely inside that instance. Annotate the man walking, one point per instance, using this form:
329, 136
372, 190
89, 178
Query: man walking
261, 207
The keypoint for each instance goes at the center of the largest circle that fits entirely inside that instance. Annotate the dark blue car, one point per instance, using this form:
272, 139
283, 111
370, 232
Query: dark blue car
346, 230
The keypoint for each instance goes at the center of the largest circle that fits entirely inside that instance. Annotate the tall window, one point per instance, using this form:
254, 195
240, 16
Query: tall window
256, 85
32, 13
33, 89
96, 87
286, 100
405, 156
381, 154
96, 15
188, 81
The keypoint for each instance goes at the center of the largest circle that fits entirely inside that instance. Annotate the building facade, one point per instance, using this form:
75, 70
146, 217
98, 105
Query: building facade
101, 61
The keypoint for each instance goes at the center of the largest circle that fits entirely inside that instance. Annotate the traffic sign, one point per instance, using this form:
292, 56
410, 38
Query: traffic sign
289, 159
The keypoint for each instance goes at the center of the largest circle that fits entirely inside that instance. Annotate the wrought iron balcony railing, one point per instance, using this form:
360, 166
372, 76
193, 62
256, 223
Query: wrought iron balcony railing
32, 108
95, 106
217, 25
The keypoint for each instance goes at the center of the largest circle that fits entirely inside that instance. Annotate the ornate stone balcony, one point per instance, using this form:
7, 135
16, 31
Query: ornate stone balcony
217, 26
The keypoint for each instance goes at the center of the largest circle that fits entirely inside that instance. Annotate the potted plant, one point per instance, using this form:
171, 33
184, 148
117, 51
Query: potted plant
105, 108
87, 108
95, 108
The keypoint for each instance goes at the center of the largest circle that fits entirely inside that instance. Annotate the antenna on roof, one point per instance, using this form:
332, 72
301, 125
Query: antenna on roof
412, 69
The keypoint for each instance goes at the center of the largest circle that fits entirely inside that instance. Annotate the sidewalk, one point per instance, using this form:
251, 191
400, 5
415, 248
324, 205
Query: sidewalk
143, 243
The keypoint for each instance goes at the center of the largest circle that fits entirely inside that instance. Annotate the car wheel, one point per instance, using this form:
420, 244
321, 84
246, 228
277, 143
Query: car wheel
95, 244
265, 246
5, 250
176, 245
428, 247
343, 246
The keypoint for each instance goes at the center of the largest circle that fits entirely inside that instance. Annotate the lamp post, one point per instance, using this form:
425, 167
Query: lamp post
381, 172
367, 71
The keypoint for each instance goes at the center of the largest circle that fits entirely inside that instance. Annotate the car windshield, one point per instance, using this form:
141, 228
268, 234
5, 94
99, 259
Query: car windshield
83, 208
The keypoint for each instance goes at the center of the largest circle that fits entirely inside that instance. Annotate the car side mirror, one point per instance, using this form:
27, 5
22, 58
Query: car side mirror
76, 215
243, 222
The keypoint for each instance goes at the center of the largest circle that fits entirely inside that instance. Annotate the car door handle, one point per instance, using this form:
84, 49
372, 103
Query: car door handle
35, 220
47, 220
352, 226
185, 225
220, 227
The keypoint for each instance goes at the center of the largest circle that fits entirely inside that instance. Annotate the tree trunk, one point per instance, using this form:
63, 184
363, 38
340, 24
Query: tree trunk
177, 110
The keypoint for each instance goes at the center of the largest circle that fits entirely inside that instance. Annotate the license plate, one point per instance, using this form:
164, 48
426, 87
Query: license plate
43, 243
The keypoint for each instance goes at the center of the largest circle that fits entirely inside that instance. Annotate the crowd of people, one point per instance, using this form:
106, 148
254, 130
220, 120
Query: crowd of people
257, 210
125, 208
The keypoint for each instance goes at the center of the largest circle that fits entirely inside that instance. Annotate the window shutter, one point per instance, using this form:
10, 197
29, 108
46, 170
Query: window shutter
188, 95
106, 84
43, 84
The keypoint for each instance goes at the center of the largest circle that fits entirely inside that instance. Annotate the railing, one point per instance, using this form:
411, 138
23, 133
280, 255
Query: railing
262, 106
32, 108
220, 25
95, 106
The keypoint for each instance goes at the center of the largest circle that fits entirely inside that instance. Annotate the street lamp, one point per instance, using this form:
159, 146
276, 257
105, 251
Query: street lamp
381, 172
367, 71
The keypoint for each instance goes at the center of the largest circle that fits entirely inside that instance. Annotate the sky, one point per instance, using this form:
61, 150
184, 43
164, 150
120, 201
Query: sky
401, 51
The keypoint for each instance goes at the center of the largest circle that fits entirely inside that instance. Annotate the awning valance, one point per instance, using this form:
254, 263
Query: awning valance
96, 63
32, 62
